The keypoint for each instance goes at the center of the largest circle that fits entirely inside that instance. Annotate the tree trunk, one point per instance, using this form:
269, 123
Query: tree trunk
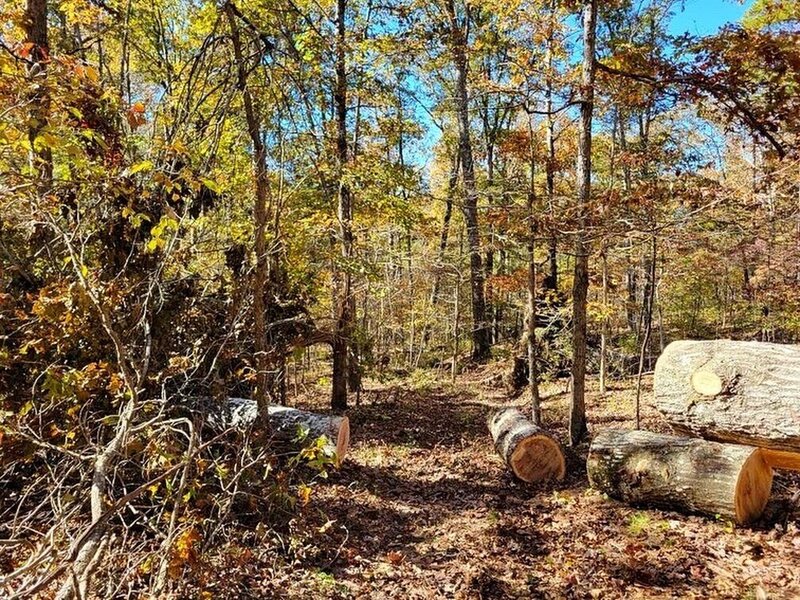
678, 473
263, 197
746, 392
605, 334
551, 281
647, 311
481, 334
342, 286
35, 23
530, 330
448, 213
287, 422
580, 288
530, 452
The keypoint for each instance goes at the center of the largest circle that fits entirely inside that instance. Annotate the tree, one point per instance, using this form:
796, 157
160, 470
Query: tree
458, 28
344, 301
263, 390
577, 418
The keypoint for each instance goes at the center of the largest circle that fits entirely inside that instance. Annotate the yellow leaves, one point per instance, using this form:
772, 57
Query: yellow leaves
116, 385
26, 408
142, 166
184, 550
180, 362
179, 147
304, 494
160, 232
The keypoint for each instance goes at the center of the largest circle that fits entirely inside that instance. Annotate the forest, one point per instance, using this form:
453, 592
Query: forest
399, 299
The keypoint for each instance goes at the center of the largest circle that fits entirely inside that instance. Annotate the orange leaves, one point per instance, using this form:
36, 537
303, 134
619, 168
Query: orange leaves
135, 115
395, 558
184, 550
26, 49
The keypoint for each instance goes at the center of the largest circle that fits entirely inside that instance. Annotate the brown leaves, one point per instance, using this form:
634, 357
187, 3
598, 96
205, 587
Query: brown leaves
136, 115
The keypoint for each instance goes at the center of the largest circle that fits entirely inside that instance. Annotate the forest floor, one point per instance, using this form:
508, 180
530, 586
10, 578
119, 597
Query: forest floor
424, 508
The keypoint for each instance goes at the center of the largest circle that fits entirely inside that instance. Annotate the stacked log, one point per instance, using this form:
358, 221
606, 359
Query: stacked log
287, 422
640, 467
530, 452
730, 391
742, 398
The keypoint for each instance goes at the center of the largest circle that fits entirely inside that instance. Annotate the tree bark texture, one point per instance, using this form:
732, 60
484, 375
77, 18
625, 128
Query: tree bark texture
745, 392
343, 291
679, 473
261, 277
577, 420
481, 334
36, 34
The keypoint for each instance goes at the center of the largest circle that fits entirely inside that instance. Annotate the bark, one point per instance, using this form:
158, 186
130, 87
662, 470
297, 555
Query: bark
605, 330
529, 451
481, 333
35, 23
577, 421
530, 333
746, 392
448, 213
678, 473
551, 281
287, 422
263, 197
344, 318
648, 327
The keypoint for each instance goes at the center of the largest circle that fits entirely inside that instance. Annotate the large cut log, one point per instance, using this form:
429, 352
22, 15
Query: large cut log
287, 422
529, 451
745, 392
680, 473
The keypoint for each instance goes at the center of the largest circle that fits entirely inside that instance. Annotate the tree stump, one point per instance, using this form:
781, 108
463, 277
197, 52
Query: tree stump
287, 421
679, 473
529, 451
744, 392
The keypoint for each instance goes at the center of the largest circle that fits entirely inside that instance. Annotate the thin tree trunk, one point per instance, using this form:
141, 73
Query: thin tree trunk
263, 198
551, 281
648, 326
481, 334
448, 213
35, 23
533, 371
343, 291
577, 422
456, 326
605, 329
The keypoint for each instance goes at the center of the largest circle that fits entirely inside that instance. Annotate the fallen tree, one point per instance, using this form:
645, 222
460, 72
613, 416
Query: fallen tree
529, 451
730, 391
287, 423
679, 473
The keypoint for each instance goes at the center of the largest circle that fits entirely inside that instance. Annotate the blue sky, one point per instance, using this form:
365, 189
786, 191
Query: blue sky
704, 17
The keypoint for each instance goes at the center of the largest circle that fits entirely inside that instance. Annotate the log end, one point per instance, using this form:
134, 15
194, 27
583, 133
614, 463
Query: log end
342, 440
707, 383
538, 458
753, 488
780, 459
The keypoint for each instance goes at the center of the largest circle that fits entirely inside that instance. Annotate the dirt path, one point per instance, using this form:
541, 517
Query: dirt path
423, 508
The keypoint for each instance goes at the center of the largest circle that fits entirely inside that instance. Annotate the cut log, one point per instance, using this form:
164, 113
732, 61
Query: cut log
680, 473
287, 422
744, 392
529, 451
